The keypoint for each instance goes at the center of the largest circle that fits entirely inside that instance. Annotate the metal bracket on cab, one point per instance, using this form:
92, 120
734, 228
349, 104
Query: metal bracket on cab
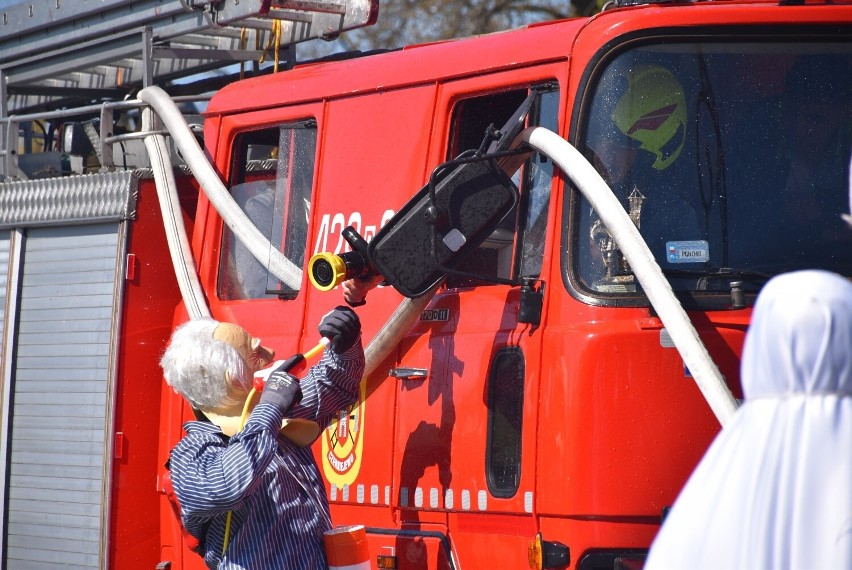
409, 373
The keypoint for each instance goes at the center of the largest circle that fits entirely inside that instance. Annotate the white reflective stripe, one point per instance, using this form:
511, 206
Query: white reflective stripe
435, 497
482, 500
465, 500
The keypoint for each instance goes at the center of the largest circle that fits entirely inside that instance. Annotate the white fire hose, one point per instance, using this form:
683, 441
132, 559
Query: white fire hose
398, 324
257, 244
181, 254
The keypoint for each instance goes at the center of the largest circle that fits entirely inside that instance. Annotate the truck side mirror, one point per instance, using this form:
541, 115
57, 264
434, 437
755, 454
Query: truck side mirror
74, 140
442, 224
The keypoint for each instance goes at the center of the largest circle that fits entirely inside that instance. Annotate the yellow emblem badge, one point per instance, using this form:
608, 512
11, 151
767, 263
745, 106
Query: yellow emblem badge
343, 443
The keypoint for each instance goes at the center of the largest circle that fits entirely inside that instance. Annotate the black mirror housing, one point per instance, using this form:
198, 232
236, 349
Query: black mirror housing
442, 224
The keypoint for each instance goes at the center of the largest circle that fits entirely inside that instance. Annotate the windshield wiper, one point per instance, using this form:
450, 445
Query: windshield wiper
736, 276
721, 273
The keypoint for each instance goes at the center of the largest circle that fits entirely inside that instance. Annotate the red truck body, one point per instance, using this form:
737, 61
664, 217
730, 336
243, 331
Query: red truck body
578, 431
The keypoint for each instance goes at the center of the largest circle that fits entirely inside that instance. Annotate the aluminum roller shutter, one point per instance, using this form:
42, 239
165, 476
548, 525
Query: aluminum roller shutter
60, 404
4, 264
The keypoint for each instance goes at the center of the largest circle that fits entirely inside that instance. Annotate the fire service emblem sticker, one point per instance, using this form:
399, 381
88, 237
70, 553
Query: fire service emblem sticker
343, 444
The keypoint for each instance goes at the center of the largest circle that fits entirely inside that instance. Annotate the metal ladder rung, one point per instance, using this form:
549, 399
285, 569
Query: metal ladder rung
107, 41
307, 6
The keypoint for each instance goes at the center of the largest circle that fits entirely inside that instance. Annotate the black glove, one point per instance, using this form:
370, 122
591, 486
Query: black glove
281, 389
342, 327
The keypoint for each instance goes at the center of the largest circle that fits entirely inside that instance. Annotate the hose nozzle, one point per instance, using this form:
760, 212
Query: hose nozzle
327, 270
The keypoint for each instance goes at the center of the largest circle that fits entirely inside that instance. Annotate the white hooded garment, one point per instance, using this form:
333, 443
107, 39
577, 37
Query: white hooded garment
774, 490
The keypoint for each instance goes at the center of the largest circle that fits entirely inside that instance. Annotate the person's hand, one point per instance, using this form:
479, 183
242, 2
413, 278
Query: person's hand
355, 289
281, 389
342, 327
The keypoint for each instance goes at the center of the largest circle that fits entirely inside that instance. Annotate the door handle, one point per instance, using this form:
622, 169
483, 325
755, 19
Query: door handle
409, 373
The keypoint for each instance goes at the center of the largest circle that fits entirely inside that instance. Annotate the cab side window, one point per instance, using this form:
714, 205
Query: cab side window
274, 172
515, 248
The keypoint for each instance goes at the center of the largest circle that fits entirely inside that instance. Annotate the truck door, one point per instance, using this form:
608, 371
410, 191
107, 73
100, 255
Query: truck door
374, 149
468, 374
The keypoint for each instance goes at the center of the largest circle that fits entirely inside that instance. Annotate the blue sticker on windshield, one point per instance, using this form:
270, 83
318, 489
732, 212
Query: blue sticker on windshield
697, 251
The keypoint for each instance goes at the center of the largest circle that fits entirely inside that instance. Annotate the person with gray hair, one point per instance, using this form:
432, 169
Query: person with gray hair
196, 360
253, 495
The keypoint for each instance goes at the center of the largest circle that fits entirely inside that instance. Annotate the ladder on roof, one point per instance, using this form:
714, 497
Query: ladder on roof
61, 53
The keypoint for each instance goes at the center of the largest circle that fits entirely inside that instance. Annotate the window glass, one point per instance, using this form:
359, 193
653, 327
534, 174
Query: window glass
505, 420
732, 159
494, 258
273, 187
539, 175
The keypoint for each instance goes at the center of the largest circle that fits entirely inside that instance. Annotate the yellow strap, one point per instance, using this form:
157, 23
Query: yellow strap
243, 417
277, 28
272, 44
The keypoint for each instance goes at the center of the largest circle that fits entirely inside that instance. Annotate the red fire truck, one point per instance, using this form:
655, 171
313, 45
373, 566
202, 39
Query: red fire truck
537, 394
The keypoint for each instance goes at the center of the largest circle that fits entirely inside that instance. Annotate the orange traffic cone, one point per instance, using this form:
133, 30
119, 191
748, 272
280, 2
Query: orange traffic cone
346, 548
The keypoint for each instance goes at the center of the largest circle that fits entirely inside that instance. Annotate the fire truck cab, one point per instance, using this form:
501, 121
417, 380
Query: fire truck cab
533, 407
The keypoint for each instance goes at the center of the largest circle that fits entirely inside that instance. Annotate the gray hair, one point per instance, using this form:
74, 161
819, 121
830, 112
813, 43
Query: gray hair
199, 367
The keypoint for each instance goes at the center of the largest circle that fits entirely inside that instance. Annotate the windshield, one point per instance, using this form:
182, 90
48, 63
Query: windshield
732, 159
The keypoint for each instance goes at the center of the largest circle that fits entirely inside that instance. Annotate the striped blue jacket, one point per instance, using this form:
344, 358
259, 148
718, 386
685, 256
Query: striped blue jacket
274, 488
